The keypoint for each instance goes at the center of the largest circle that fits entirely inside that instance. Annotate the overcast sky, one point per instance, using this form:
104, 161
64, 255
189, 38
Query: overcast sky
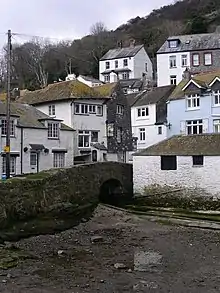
70, 18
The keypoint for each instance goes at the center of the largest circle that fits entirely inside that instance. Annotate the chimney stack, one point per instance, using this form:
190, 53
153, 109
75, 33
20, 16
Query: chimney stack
187, 74
120, 45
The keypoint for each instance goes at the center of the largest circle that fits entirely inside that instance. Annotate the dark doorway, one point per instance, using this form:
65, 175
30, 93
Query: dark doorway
111, 191
94, 156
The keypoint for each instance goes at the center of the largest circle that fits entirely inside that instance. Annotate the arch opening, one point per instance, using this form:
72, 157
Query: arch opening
111, 192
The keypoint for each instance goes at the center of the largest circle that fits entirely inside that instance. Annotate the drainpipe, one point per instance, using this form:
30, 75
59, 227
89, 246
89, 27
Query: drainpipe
21, 151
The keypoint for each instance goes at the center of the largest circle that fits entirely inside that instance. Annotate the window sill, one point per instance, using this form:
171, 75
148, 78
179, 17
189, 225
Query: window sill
192, 109
143, 118
216, 106
208, 64
197, 166
53, 138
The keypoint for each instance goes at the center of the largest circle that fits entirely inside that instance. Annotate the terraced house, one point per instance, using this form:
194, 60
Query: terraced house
38, 141
80, 107
198, 53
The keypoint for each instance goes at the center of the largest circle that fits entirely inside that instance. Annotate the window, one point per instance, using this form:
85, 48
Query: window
173, 79
143, 112
94, 136
53, 130
83, 140
194, 127
193, 101
107, 65
184, 60
168, 163
92, 109
216, 125
99, 110
110, 130
120, 109
125, 62
84, 109
172, 61
12, 164
125, 75
107, 78
116, 63
33, 159
146, 67
59, 160
173, 44
195, 59
77, 108
208, 58
198, 160
52, 111
4, 127
119, 134
142, 134
159, 130
216, 98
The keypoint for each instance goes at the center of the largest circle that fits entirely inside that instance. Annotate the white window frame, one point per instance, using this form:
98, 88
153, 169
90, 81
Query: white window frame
120, 109
173, 43
53, 130
142, 134
99, 110
173, 79
107, 78
208, 61
184, 60
125, 75
195, 61
59, 160
172, 61
194, 125
216, 125
107, 65
142, 112
4, 127
52, 110
216, 95
193, 102
92, 109
125, 62
12, 165
92, 136
85, 134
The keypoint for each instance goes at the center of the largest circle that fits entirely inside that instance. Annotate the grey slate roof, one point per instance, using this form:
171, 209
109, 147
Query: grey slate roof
154, 95
192, 43
28, 116
122, 52
133, 83
132, 98
188, 145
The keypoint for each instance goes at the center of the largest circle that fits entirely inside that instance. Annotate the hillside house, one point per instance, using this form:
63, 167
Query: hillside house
194, 105
180, 162
38, 142
125, 63
149, 115
198, 53
118, 123
80, 107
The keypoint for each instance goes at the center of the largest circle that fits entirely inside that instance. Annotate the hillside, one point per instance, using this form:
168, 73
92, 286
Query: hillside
81, 56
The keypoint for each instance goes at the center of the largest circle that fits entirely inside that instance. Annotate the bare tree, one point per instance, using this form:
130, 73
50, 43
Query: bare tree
98, 28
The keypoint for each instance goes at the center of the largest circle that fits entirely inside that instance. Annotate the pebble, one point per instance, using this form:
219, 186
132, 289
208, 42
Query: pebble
96, 239
120, 266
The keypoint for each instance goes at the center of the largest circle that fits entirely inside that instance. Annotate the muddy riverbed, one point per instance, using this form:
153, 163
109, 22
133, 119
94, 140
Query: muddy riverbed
115, 252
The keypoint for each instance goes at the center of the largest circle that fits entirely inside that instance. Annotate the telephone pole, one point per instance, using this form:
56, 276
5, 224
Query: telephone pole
8, 102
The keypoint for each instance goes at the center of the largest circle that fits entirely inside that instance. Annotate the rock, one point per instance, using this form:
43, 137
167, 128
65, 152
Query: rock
130, 271
120, 266
9, 276
9, 245
96, 239
102, 281
4, 281
60, 252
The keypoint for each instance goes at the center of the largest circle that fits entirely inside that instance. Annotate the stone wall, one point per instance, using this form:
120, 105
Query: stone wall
22, 198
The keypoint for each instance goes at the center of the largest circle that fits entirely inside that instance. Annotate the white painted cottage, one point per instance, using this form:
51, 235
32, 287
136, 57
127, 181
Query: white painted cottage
191, 161
125, 63
38, 142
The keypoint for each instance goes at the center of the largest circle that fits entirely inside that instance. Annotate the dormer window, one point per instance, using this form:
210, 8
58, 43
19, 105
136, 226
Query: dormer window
4, 127
173, 43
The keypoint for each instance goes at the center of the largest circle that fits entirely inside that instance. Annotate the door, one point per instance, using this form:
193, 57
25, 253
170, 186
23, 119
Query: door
34, 162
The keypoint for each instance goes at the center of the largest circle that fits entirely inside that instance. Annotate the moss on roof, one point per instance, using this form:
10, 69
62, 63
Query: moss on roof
65, 90
189, 145
106, 89
203, 79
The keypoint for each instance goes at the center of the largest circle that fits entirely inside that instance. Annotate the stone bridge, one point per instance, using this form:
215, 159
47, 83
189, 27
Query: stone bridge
34, 194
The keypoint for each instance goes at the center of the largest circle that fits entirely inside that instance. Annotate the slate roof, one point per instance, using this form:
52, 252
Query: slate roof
203, 79
59, 91
122, 52
154, 95
132, 98
132, 83
192, 43
28, 116
190, 145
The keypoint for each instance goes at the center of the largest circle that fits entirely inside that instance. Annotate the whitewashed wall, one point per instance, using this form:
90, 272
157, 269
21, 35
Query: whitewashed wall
147, 171
140, 61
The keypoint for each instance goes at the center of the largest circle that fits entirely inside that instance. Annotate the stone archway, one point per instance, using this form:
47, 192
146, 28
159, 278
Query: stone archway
111, 191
